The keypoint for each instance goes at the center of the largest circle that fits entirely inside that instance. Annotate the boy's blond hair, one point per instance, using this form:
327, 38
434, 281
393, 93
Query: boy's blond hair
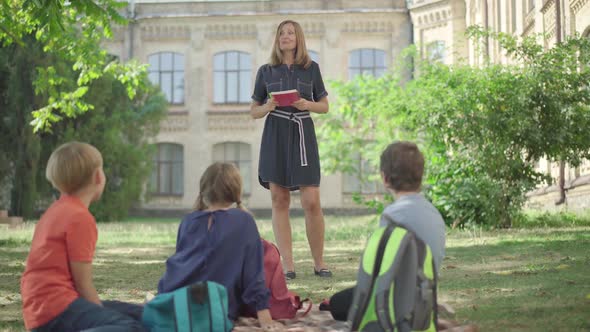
70, 166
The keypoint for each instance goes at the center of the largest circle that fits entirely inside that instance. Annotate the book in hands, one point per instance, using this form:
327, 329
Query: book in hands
285, 98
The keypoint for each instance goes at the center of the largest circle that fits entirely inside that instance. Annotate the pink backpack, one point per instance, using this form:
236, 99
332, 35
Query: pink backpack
283, 304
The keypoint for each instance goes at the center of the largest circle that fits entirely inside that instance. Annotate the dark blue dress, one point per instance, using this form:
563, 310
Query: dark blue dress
289, 151
229, 253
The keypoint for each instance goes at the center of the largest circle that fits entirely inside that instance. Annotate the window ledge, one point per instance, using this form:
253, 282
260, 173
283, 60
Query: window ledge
228, 111
230, 120
164, 195
178, 112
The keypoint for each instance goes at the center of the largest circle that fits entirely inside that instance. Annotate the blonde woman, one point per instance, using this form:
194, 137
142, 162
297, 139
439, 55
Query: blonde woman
289, 158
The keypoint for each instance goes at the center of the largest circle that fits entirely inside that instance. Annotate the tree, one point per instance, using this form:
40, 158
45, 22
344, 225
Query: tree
120, 127
481, 129
72, 31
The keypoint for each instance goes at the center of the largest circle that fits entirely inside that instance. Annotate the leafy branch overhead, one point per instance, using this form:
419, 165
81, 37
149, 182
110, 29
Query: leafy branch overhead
72, 31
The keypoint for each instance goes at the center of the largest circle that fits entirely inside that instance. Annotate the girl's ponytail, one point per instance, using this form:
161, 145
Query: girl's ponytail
200, 203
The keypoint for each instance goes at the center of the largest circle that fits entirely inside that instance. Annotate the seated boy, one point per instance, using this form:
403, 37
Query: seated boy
402, 167
57, 289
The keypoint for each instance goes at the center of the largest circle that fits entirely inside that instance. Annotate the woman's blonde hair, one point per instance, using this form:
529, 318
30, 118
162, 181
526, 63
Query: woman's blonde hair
301, 56
71, 166
220, 183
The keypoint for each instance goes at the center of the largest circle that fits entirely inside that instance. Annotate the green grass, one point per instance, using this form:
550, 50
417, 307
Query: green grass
502, 280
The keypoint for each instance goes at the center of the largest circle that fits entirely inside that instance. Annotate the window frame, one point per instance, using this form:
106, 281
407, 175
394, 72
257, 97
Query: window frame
246, 181
238, 71
361, 68
362, 166
158, 161
173, 73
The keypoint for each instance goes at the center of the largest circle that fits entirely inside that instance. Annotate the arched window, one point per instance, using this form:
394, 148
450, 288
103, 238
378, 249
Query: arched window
168, 172
239, 154
315, 56
366, 61
232, 77
167, 71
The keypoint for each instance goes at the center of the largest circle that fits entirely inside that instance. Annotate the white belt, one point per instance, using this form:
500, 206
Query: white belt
297, 118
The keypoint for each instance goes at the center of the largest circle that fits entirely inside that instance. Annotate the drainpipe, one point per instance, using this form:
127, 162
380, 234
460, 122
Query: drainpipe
486, 26
562, 197
131, 17
412, 64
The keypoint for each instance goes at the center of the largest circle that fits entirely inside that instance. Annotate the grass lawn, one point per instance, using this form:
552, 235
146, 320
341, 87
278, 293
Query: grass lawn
509, 280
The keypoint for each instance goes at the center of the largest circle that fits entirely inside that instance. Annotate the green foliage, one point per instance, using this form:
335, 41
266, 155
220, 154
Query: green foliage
532, 220
481, 129
71, 31
118, 126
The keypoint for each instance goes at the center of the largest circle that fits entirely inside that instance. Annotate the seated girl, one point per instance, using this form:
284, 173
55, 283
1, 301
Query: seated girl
220, 243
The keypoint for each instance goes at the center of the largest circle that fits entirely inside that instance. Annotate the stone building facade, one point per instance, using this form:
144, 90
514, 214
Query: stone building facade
204, 55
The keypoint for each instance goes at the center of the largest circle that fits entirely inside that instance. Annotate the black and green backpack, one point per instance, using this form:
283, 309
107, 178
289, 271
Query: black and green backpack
396, 284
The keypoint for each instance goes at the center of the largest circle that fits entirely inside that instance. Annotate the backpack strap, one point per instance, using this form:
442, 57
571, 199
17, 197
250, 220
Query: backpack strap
368, 271
182, 312
308, 307
394, 287
217, 312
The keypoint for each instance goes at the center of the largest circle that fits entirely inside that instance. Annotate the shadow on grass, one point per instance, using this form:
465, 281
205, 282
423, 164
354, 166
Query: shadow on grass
502, 281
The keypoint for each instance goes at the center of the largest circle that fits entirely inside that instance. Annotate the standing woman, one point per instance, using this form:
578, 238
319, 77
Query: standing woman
289, 158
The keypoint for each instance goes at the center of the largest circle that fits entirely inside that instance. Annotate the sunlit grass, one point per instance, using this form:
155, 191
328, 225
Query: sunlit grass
502, 280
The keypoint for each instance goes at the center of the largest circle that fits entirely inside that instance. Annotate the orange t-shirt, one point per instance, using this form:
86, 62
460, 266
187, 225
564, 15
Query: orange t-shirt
66, 232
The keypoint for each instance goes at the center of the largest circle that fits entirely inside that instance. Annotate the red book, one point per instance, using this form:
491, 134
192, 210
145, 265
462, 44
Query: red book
285, 98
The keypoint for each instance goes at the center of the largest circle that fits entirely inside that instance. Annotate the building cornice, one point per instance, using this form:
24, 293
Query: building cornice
230, 31
547, 5
577, 5
270, 13
432, 18
164, 32
426, 5
368, 27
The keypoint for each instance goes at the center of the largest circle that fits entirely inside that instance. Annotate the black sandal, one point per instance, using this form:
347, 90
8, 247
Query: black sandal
290, 275
323, 273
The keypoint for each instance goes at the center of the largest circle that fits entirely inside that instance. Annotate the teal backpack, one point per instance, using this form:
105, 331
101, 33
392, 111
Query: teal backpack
200, 307
396, 284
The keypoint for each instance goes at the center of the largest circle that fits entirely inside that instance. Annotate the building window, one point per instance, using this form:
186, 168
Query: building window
232, 77
168, 172
366, 61
435, 51
513, 15
167, 71
238, 154
315, 56
358, 181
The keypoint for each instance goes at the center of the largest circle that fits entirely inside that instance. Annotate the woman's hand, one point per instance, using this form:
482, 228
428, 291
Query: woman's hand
270, 105
302, 104
259, 110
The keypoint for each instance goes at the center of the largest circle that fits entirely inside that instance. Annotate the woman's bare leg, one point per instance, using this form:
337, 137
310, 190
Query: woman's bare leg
314, 224
281, 199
